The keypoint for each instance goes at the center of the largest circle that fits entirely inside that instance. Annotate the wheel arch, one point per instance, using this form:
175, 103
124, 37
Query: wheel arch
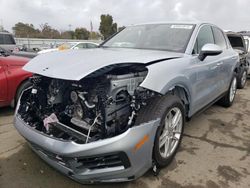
14, 100
179, 86
183, 93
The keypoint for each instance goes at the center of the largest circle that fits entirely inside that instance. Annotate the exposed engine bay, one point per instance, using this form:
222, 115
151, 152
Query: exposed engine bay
99, 106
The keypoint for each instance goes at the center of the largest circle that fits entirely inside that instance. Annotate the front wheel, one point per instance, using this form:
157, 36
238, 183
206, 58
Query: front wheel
170, 110
21, 88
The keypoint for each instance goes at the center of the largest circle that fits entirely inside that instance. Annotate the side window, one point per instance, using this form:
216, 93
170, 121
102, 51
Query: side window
81, 45
89, 45
219, 38
205, 36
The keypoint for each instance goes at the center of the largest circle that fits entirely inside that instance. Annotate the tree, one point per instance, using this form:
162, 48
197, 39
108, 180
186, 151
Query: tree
48, 32
121, 28
82, 33
25, 30
107, 27
95, 35
67, 34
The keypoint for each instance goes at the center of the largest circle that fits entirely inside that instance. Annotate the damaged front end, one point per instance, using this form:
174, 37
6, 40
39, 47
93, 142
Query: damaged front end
101, 105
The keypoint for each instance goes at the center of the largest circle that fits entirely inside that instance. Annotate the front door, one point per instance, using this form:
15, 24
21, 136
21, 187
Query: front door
206, 84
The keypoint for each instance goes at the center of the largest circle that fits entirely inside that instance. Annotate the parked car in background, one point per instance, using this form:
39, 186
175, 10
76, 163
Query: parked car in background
13, 79
71, 45
24, 54
110, 114
237, 41
247, 41
7, 42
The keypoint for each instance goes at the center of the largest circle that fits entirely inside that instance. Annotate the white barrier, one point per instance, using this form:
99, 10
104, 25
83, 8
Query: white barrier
46, 43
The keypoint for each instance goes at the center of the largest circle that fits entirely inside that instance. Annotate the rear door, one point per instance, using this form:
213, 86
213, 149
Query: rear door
3, 82
206, 86
224, 66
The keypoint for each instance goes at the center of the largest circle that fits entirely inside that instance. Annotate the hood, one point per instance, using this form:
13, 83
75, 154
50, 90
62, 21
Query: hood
16, 60
48, 50
76, 64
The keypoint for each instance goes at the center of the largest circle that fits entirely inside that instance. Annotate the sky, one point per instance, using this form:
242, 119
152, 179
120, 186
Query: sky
227, 14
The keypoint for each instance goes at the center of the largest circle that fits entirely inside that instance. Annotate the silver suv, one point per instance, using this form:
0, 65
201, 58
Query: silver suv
110, 114
7, 42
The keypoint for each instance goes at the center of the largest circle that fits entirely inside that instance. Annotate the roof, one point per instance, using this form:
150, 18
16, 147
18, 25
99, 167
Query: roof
231, 33
174, 22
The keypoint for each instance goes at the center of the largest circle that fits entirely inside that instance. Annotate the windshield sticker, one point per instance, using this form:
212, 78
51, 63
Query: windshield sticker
181, 26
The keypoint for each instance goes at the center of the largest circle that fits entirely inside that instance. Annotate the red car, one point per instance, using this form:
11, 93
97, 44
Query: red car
13, 79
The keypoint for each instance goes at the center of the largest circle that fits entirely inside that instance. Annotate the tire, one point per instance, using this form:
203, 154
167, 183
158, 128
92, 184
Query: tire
241, 82
24, 85
163, 108
228, 99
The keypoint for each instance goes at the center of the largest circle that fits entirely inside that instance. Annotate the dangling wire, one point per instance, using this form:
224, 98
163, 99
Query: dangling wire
95, 121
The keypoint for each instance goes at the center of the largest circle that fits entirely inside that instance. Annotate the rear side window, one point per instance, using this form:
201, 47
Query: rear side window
219, 38
205, 36
6, 39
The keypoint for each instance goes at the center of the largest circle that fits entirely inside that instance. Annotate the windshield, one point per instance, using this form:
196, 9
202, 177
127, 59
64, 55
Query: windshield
67, 45
170, 37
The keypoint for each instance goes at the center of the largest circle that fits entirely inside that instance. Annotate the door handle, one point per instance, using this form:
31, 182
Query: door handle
234, 58
214, 67
220, 63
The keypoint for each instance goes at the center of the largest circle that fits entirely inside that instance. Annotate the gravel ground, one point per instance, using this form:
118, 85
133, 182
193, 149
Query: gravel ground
215, 152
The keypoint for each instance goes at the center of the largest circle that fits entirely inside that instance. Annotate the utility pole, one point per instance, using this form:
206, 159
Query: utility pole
69, 27
1, 25
91, 29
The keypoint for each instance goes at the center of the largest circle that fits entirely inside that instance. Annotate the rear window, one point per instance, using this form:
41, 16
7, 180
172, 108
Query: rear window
6, 39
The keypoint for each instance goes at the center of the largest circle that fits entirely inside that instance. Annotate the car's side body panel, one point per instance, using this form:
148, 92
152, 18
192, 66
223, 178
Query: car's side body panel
3, 84
11, 76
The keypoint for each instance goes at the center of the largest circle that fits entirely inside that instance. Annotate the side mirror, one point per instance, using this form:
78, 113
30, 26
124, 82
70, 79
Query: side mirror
209, 50
76, 48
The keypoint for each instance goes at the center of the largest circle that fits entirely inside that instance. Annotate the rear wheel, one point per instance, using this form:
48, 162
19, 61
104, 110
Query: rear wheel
228, 99
170, 110
242, 80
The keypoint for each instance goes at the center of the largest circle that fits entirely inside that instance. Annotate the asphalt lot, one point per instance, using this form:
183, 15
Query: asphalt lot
215, 152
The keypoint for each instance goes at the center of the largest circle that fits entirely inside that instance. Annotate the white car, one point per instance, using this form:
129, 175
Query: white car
71, 45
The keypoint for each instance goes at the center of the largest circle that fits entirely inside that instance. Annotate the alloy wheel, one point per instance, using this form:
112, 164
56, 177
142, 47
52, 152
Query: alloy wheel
171, 134
244, 78
233, 89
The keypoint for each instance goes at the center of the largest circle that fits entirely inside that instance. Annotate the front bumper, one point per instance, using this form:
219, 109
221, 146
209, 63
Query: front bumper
128, 161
